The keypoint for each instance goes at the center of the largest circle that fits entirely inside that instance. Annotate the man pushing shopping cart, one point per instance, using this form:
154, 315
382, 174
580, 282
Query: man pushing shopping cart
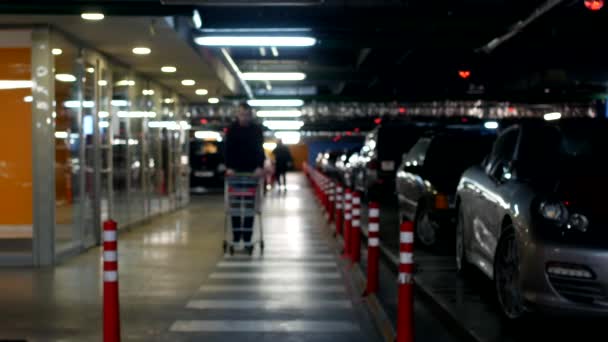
244, 163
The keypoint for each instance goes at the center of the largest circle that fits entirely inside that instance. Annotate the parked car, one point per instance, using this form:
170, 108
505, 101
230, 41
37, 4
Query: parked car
532, 218
207, 165
328, 163
381, 155
428, 177
345, 166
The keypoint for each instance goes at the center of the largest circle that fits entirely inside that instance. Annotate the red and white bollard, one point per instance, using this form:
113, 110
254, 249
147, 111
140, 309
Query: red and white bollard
339, 205
405, 311
355, 231
373, 248
331, 201
347, 222
111, 306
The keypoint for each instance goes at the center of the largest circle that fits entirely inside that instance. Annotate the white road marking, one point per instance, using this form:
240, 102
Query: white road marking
269, 304
287, 263
270, 288
276, 275
294, 326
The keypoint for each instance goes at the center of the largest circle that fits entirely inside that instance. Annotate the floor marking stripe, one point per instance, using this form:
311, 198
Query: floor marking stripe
294, 326
270, 288
286, 263
282, 256
276, 275
269, 304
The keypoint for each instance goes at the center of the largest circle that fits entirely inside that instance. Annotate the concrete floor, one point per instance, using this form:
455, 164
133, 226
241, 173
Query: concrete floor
176, 284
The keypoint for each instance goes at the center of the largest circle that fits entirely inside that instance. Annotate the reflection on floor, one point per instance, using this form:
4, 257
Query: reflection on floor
176, 285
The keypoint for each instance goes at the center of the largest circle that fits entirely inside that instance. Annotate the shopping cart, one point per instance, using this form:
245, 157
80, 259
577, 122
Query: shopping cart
242, 203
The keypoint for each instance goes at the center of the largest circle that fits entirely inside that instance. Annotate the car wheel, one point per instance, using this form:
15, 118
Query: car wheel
507, 276
426, 230
462, 264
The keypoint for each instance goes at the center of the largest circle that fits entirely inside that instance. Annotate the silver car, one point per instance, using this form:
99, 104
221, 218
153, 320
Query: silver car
532, 217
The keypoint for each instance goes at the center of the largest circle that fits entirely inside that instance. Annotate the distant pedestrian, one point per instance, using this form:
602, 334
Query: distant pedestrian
283, 161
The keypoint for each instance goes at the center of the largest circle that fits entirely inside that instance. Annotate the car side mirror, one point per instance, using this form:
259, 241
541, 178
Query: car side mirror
504, 171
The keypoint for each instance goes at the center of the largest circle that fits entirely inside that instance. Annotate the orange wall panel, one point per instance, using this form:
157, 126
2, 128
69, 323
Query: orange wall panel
299, 153
15, 140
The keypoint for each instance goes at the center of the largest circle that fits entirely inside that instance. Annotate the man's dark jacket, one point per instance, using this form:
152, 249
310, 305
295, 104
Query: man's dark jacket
244, 151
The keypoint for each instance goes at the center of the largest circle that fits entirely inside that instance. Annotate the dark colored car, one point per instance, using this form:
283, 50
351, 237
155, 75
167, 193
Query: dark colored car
207, 165
382, 153
346, 165
428, 177
328, 163
532, 217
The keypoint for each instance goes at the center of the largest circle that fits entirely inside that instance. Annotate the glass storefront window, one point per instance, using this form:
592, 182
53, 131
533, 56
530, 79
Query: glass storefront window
120, 145
68, 194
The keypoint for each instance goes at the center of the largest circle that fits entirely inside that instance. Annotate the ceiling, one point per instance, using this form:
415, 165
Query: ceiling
377, 50
116, 36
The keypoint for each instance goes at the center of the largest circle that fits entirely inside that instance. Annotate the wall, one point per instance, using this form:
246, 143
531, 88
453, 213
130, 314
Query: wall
15, 139
299, 153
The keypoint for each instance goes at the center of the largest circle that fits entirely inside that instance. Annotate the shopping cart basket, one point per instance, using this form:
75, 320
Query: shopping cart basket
243, 202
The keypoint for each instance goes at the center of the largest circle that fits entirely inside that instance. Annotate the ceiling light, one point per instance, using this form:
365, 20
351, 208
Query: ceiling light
196, 19
202, 92
103, 114
141, 50
279, 113
102, 83
274, 76
168, 69
276, 103
214, 100
208, 135
275, 51
61, 135
491, 125
104, 124
92, 16
56, 51
125, 83
28, 98
283, 125
136, 114
15, 84
168, 100
552, 116
90, 70
188, 82
120, 103
65, 78
255, 41
288, 138
262, 51
76, 104
147, 92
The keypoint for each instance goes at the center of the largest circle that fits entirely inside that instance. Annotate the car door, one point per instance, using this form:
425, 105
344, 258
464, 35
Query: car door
490, 203
411, 182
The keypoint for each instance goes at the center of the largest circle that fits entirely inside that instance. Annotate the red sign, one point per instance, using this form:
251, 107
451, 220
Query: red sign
594, 5
464, 74
378, 121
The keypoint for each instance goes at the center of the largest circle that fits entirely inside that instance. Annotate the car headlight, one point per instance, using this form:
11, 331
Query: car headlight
554, 211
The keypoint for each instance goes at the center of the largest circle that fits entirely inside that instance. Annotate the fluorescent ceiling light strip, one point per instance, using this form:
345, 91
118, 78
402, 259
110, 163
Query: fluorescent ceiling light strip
279, 113
274, 76
276, 103
283, 125
136, 114
491, 125
552, 116
256, 41
288, 138
16, 84
208, 135
76, 104
252, 30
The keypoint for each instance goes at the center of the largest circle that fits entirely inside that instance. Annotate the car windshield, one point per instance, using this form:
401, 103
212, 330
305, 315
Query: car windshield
569, 151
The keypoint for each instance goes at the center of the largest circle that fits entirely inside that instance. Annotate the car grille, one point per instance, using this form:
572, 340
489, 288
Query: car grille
579, 290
